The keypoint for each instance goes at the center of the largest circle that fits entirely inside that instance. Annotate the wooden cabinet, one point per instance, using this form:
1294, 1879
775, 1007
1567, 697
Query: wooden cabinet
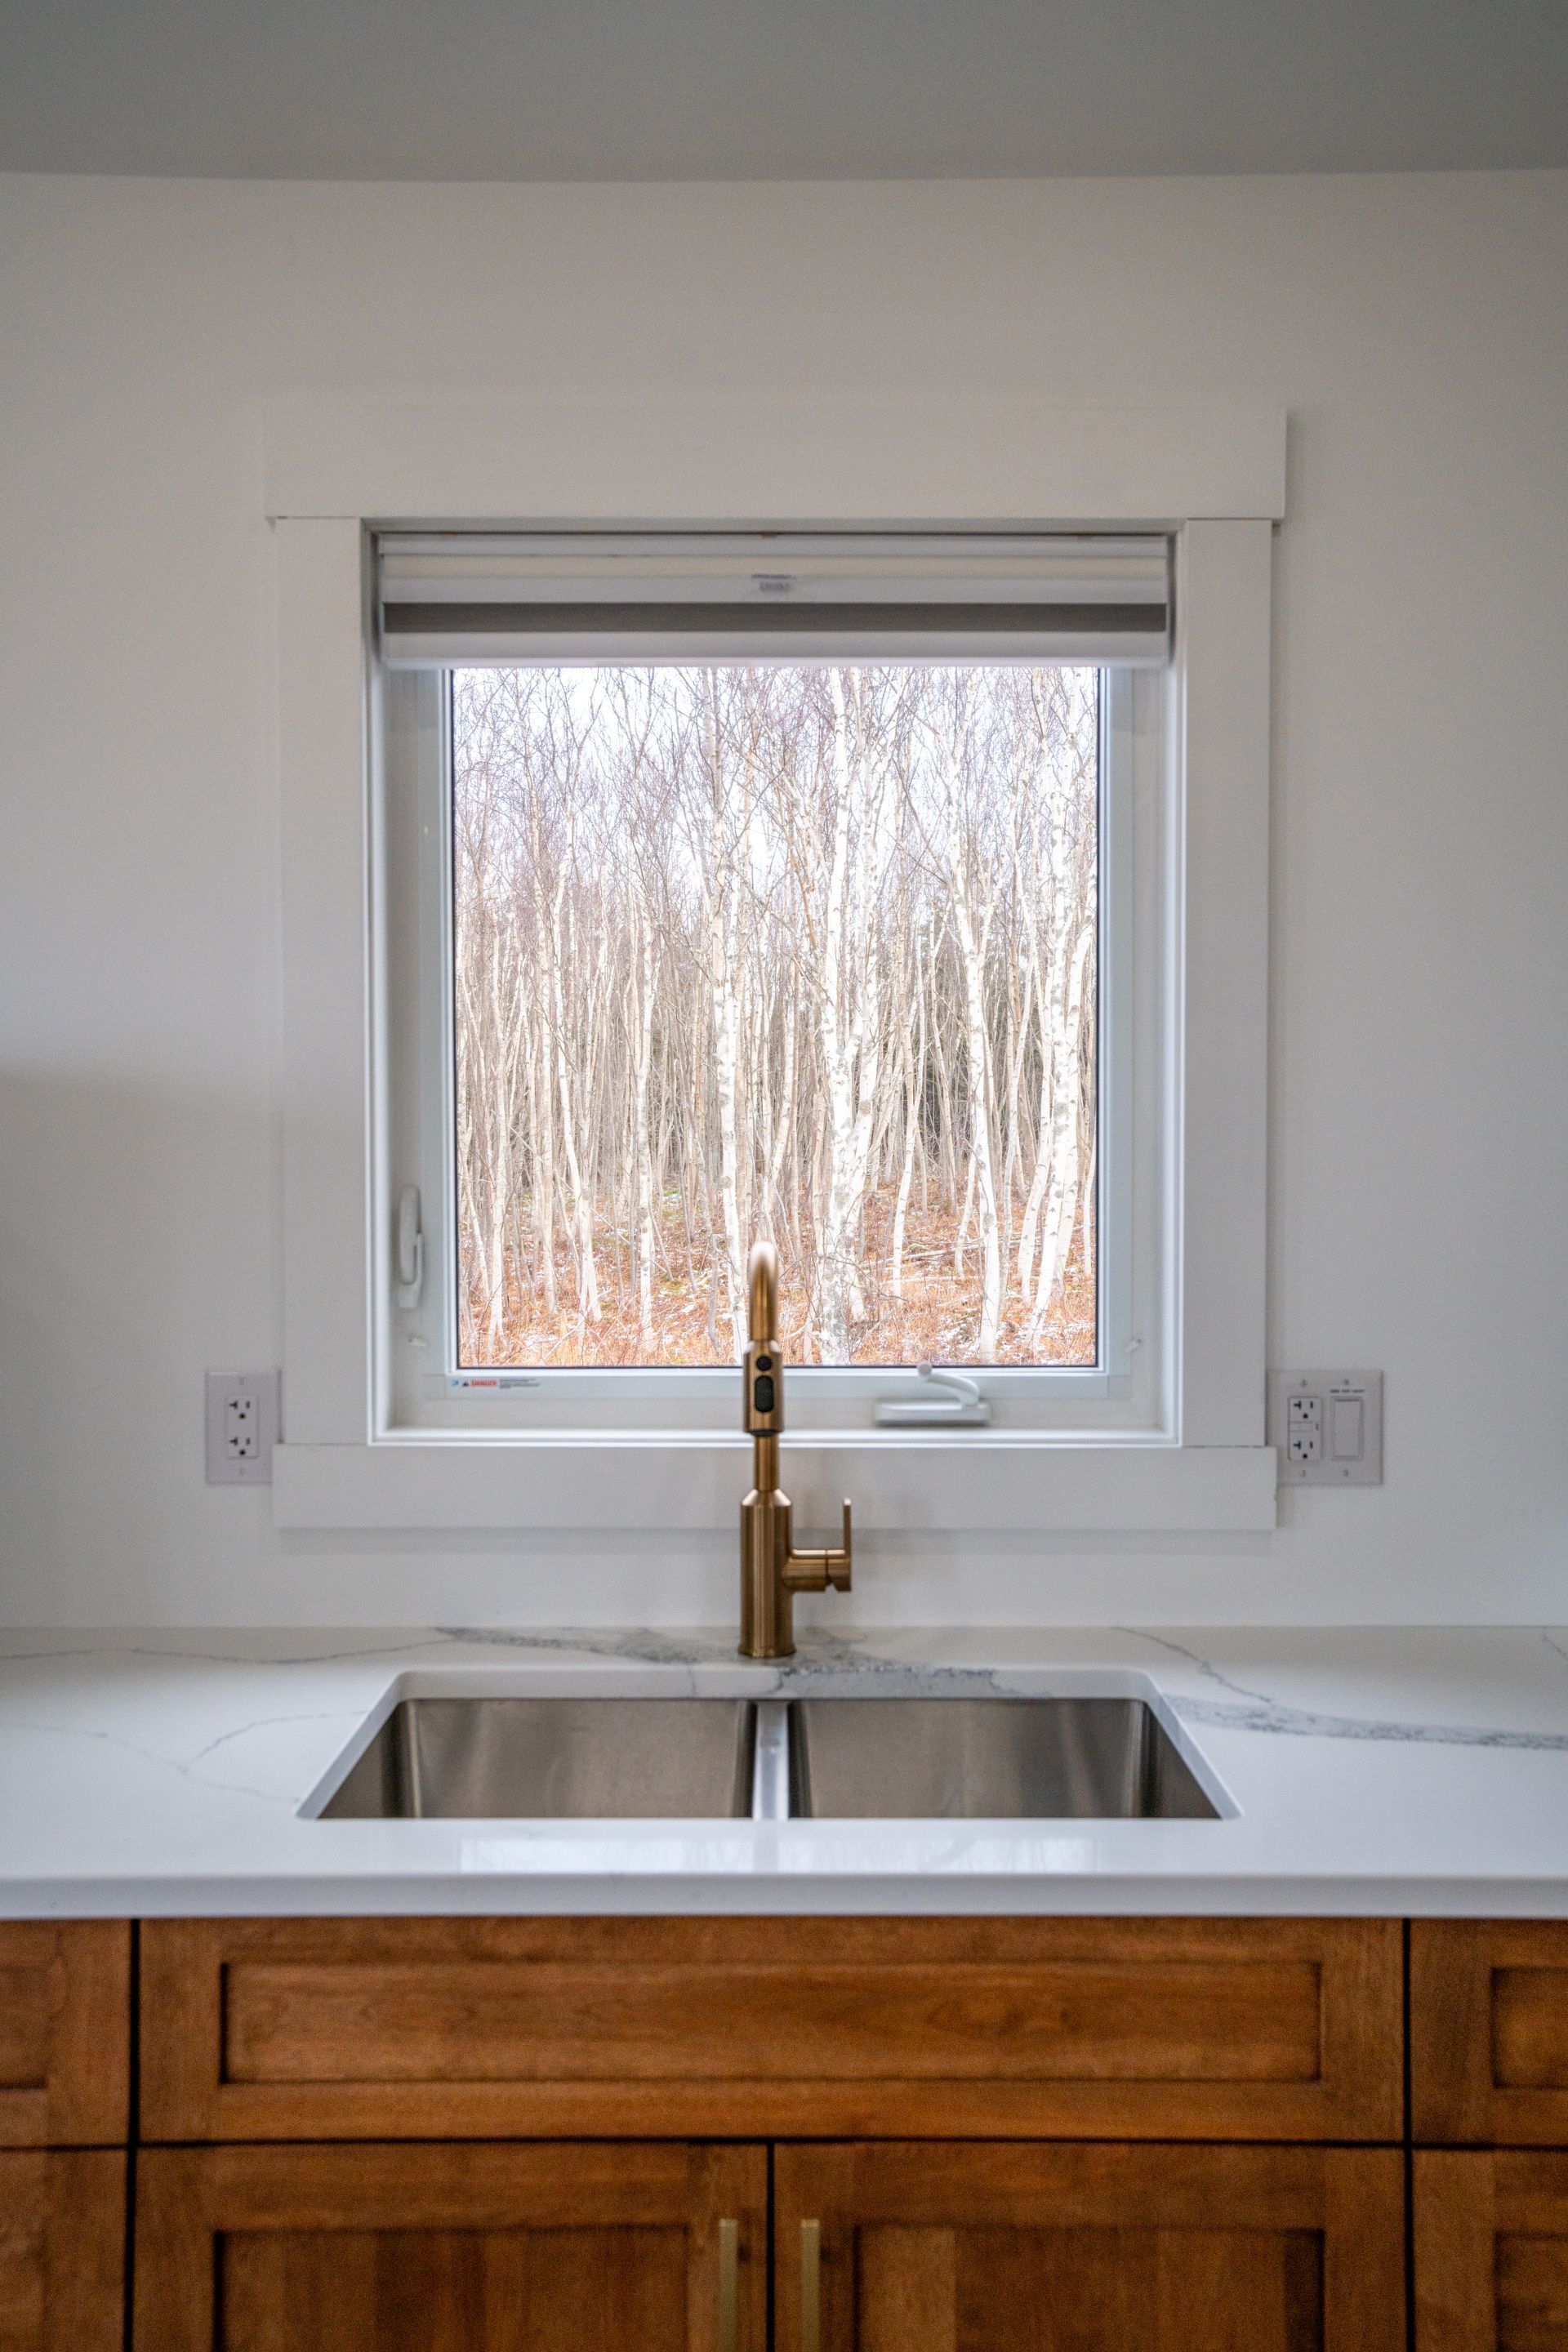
1078, 2134
62, 2244
1492, 2252
899, 2247
476, 2248
1488, 2032
558, 2135
65, 2050
1488, 2074
64, 2033
997, 2119
447, 2029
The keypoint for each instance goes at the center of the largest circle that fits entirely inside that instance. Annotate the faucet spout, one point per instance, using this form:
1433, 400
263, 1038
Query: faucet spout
772, 1571
763, 1289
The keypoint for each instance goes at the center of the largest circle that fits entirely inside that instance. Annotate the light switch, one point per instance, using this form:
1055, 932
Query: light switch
1327, 1428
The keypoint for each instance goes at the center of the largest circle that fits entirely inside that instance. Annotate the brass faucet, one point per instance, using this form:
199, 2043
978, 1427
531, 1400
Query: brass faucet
772, 1571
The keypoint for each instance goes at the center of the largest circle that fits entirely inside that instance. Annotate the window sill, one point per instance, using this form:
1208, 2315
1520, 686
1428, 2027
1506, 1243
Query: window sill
984, 1483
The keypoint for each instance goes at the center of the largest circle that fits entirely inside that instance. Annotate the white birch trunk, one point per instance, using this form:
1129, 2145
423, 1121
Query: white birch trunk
724, 982
906, 1176
849, 1023
545, 1132
641, 1145
783, 1131
1061, 1198
582, 1206
914, 1079
977, 1048
726, 1064
1052, 997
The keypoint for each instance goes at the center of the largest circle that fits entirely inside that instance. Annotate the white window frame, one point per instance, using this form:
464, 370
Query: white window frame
1121, 1391
1194, 1459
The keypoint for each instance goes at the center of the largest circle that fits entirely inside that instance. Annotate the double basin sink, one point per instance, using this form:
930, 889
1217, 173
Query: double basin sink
771, 1759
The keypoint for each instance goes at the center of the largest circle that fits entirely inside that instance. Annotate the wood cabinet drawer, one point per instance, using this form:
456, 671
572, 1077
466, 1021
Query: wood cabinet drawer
370, 2249
1488, 2032
63, 2251
449, 2029
64, 2033
905, 2247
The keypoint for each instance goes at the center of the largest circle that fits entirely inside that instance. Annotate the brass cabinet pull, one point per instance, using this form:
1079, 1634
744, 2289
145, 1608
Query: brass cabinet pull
729, 2286
810, 2286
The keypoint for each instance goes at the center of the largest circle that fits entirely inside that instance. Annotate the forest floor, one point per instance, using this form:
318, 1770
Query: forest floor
936, 1320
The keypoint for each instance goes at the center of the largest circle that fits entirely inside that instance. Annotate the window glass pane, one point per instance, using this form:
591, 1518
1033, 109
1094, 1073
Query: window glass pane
801, 952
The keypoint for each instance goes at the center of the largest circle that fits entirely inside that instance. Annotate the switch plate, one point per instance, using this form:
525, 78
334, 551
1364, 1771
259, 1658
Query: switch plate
242, 1428
1327, 1428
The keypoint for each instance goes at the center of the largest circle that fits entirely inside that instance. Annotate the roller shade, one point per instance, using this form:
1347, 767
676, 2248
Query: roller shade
587, 597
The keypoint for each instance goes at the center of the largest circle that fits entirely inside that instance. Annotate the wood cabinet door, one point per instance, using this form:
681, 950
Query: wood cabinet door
1492, 2252
65, 2032
600, 2247
1488, 2032
927, 2247
62, 2252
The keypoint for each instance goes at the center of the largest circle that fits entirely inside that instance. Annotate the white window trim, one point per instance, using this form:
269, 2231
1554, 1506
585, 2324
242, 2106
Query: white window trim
1215, 478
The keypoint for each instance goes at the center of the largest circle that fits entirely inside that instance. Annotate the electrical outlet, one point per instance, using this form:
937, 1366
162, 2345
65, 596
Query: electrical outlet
1327, 1428
1304, 1429
242, 1428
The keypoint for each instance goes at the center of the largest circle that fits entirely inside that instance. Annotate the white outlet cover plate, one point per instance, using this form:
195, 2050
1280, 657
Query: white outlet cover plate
224, 1467
1350, 1420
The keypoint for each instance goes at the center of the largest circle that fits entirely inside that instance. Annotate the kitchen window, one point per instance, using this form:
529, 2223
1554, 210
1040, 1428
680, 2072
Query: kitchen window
730, 863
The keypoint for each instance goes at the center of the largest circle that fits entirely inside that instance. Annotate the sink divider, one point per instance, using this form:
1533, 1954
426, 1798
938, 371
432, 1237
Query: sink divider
770, 1761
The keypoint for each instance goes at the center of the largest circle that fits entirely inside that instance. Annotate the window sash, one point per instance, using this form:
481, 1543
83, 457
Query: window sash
425, 1391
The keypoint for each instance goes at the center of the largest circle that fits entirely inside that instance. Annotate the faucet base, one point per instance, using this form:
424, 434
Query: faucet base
767, 1604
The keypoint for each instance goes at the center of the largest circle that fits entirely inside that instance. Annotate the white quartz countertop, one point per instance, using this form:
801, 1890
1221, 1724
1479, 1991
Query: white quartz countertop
1386, 1771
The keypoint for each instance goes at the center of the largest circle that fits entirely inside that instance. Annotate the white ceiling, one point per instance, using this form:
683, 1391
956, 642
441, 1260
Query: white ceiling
663, 90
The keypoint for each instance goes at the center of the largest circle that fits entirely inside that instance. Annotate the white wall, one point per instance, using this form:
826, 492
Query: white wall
1416, 329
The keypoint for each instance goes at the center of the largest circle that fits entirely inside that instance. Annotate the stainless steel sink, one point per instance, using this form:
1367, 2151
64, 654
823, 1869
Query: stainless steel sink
832, 1759
1004, 1759
542, 1759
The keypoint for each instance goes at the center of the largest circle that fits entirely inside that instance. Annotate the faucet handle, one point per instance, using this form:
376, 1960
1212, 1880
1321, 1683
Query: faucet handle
841, 1563
814, 1571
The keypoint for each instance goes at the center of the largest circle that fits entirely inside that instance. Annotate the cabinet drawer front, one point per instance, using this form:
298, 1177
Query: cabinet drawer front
367, 2248
64, 2033
1488, 2032
907, 2247
459, 2028
62, 2248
